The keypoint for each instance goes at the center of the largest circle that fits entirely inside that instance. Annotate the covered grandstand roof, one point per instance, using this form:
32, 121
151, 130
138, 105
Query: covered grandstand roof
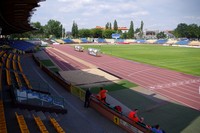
15, 15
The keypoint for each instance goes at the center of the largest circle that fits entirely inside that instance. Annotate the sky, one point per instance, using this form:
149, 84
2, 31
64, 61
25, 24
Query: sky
156, 14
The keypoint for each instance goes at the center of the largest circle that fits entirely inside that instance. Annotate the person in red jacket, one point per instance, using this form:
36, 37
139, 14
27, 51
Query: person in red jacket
133, 116
102, 94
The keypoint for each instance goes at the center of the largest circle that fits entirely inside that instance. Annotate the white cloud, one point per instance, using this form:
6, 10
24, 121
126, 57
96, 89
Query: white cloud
192, 17
89, 13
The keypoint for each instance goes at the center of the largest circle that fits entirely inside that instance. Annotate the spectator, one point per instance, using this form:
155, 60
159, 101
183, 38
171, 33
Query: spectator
156, 129
102, 94
133, 116
87, 98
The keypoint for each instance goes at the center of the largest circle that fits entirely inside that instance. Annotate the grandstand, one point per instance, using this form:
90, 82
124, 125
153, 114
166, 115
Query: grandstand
22, 45
60, 41
101, 40
68, 40
84, 40
183, 41
34, 108
161, 41
140, 41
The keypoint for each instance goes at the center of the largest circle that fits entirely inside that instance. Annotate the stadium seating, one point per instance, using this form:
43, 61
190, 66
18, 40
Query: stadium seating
183, 42
130, 41
76, 40
170, 41
119, 40
60, 41
101, 40
22, 45
68, 40
151, 41
194, 43
22, 123
0, 76
141, 41
110, 40
3, 128
56, 125
19, 83
84, 40
40, 124
161, 41
8, 77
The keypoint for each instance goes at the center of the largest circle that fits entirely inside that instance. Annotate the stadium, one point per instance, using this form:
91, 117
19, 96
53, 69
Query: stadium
44, 83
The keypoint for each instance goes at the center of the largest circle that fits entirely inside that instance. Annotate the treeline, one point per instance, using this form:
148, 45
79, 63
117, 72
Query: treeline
105, 32
191, 31
54, 29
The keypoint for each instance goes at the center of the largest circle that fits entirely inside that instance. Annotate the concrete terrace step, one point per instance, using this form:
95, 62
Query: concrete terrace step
41, 115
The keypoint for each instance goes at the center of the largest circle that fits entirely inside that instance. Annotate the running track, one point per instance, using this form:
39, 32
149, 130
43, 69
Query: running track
176, 86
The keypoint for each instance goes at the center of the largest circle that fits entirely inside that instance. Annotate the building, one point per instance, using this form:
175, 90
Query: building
123, 29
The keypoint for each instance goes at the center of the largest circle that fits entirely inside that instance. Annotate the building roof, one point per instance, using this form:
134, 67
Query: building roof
119, 28
15, 15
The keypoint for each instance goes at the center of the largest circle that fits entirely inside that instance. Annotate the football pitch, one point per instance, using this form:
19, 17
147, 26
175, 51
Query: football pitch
181, 59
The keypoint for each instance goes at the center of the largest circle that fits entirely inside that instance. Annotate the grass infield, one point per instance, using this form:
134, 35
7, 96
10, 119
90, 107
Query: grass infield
121, 85
186, 60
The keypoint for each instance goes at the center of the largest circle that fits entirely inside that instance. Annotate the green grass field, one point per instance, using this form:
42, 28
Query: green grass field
123, 84
186, 60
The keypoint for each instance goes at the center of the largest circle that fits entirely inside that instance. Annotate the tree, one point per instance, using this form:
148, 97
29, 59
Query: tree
181, 30
161, 35
199, 32
141, 29
107, 26
137, 30
96, 33
124, 35
192, 31
108, 33
187, 31
131, 30
53, 28
84, 33
75, 30
110, 26
115, 26
38, 32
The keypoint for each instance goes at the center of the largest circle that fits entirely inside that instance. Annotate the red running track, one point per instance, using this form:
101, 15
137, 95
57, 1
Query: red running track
179, 87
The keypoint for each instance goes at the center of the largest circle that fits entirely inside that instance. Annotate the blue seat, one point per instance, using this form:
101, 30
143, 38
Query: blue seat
101, 40
183, 42
84, 40
67, 40
22, 45
141, 41
161, 41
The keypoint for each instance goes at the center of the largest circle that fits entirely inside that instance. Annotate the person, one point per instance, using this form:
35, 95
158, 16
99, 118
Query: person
156, 129
102, 94
87, 98
133, 116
